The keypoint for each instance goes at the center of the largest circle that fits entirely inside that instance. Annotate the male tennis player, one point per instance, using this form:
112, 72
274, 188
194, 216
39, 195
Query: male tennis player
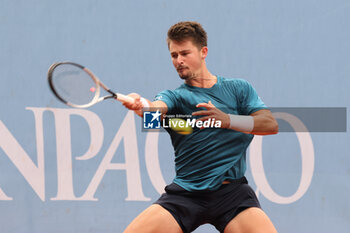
209, 186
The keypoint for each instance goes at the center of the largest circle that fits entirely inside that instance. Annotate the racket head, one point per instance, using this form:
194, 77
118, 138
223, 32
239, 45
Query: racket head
73, 84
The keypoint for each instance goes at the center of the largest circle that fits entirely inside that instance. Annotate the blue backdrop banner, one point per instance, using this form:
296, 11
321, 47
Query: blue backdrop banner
94, 170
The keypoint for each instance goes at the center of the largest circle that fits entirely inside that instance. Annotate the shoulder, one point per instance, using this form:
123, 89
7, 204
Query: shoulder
237, 84
171, 95
234, 81
176, 92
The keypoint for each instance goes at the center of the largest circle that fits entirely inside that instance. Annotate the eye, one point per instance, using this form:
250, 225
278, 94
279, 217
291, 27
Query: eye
174, 55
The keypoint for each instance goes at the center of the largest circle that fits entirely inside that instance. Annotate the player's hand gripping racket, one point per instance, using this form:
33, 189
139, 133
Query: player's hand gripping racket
78, 87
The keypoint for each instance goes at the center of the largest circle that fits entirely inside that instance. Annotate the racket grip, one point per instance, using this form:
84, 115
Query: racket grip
125, 99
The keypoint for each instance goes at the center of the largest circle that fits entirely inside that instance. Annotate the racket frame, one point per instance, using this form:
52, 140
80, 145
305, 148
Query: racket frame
122, 98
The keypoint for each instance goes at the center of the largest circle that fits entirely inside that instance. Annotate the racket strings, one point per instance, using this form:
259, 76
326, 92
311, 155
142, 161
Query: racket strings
73, 85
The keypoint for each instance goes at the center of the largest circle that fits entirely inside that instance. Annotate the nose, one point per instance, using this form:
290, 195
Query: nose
180, 60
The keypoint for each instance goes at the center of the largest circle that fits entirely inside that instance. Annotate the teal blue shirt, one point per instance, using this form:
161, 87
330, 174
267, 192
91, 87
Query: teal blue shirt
207, 157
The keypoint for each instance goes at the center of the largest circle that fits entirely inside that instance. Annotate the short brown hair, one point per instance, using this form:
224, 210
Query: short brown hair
185, 30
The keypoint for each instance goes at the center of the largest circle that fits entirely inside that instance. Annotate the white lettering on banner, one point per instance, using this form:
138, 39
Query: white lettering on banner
3, 196
152, 162
6, 139
35, 175
65, 187
127, 132
307, 162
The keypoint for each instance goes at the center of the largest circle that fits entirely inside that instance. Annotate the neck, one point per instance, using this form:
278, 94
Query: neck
203, 80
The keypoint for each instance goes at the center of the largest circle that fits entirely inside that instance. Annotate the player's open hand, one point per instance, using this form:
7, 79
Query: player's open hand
212, 113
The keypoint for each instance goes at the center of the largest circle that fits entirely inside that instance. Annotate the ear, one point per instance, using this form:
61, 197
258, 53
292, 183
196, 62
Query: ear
204, 52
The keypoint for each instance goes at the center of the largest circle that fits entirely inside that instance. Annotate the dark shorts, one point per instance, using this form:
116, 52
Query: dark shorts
192, 209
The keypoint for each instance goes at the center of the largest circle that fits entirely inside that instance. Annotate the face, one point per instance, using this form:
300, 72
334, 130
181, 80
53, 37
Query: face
187, 58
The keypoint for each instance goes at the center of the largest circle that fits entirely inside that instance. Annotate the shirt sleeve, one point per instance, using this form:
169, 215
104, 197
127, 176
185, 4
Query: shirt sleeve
249, 101
168, 97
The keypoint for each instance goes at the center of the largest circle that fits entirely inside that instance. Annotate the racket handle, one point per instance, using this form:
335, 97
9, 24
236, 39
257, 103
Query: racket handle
125, 99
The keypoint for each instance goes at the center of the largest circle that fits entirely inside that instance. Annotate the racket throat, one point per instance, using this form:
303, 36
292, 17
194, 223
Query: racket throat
113, 94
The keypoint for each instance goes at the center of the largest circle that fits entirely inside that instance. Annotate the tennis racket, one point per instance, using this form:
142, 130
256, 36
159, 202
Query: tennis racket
78, 87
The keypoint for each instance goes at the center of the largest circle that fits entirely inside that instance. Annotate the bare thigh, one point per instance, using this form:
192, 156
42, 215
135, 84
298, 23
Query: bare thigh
154, 219
251, 220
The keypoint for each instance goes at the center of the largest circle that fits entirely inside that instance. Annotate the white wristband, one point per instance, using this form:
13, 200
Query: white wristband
241, 123
144, 102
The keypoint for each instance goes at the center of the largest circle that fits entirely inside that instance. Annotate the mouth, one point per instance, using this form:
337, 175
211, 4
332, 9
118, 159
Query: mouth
180, 69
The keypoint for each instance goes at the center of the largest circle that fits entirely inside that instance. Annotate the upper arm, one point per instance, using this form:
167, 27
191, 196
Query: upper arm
264, 122
166, 101
249, 100
265, 112
162, 106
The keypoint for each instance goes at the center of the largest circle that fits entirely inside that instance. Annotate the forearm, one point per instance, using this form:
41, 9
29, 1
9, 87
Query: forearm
145, 104
142, 104
264, 125
260, 123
